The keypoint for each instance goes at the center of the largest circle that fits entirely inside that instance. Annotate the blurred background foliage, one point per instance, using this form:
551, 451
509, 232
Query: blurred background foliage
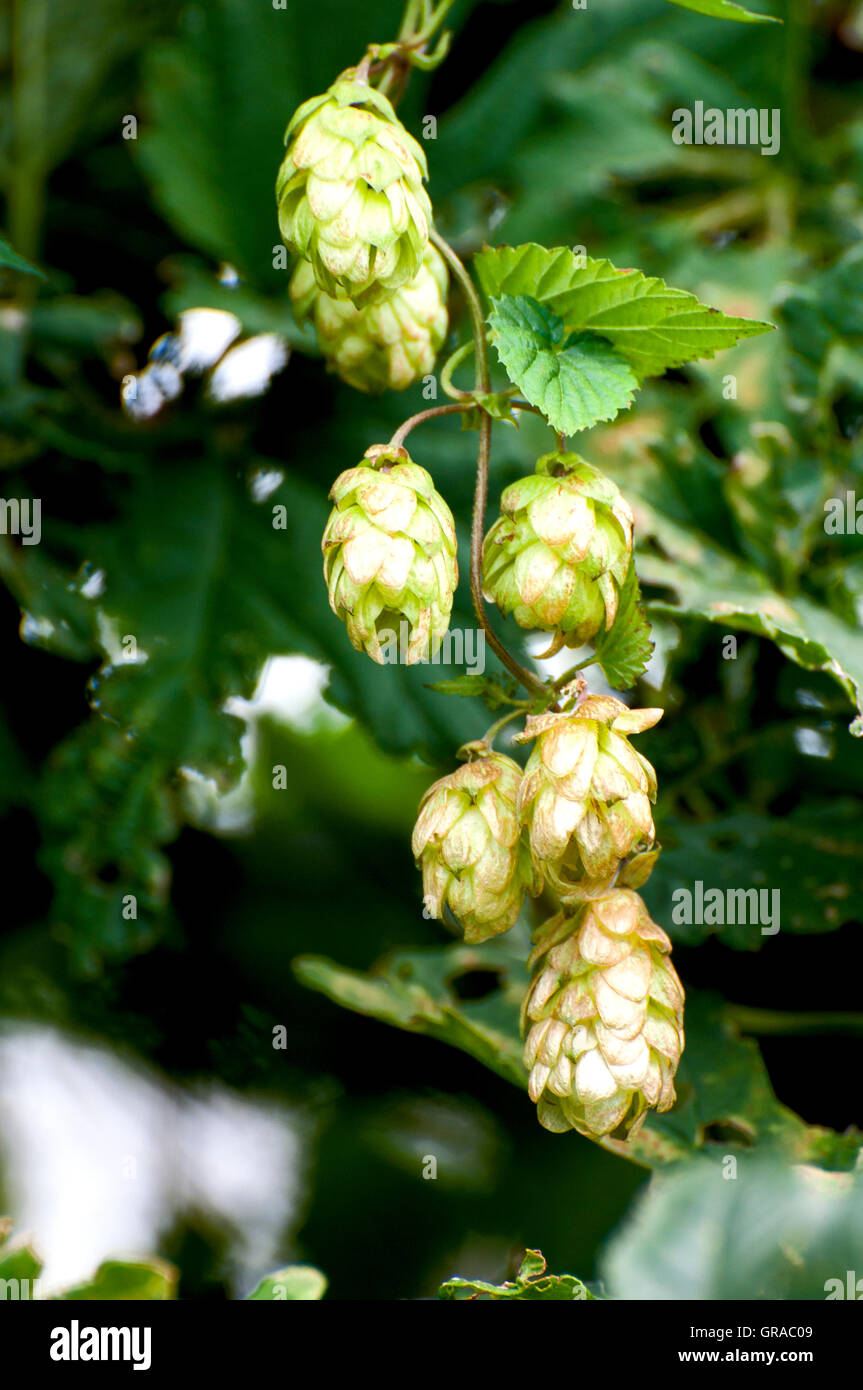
554, 125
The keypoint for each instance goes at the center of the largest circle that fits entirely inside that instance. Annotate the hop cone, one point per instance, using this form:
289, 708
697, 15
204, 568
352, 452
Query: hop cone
558, 555
388, 344
350, 192
586, 794
468, 841
390, 556
603, 1017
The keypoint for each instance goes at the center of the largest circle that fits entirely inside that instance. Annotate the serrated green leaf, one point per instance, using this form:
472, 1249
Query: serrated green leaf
652, 325
624, 650
576, 382
293, 1284
531, 1284
725, 9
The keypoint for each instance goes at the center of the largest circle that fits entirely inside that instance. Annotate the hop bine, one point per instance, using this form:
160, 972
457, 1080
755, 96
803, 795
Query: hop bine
468, 841
603, 1017
558, 555
390, 556
350, 192
388, 344
585, 798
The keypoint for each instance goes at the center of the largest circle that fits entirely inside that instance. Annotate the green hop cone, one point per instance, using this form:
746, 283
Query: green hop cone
350, 193
558, 555
386, 345
390, 557
603, 1017
585, 798
468, 842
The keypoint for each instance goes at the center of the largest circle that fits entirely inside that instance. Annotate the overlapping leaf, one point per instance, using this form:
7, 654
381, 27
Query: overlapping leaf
650, 324
575, 381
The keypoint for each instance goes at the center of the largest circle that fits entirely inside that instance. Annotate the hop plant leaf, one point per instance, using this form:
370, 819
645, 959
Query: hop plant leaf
652, 325
575, 381
624, 649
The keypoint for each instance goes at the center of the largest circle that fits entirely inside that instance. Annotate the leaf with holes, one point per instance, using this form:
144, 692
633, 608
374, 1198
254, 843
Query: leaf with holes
722, 1079
415, 990
532, 1284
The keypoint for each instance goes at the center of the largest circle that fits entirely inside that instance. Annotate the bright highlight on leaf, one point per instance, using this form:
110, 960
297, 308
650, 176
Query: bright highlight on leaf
725, 9
10, 260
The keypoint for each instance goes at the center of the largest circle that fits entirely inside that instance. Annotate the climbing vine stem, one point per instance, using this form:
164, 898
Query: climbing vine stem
531, 683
